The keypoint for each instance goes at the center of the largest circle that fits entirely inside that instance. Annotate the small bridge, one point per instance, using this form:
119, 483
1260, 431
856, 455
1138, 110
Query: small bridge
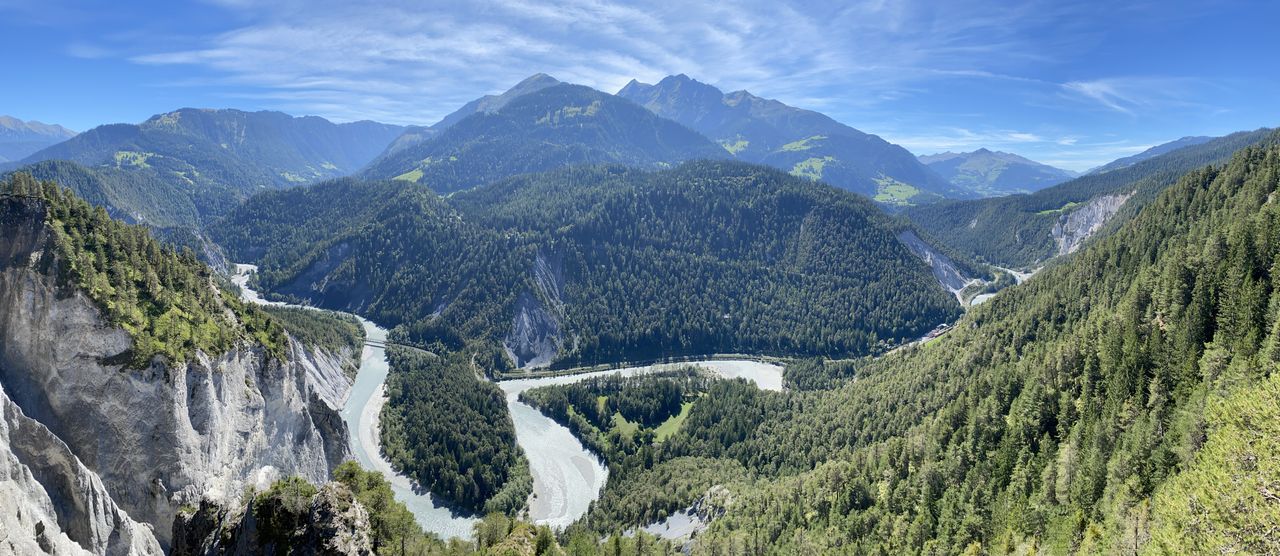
383, 344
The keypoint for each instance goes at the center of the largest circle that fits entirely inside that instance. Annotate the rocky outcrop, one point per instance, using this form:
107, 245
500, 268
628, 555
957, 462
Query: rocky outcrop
167, 435
944, 269
1074, 227
536, 336
52, 503
332, 522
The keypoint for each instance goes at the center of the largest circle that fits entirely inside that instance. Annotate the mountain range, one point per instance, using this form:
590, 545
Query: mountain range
1124, 399
993, 173
192, 164
19, 139
539, 128
803, 142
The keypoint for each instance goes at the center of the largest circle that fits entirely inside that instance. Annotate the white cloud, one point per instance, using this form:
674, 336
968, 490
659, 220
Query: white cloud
419, 62
1132, 94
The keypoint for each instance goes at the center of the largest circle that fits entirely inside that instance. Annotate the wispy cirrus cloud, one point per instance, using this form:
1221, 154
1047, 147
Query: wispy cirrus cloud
1131, 94
417, 63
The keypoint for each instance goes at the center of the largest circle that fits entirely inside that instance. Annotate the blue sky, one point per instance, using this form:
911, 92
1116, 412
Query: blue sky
1073, 84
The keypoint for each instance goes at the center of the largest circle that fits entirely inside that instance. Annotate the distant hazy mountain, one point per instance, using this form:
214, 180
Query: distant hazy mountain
535, 127
1149, 153
19, 139
803, 142
994, 173
215, 158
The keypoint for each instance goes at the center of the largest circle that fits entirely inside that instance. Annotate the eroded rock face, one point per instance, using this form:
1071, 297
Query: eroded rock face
167, 435
536, 336
944, 269
1074, 227
52, 503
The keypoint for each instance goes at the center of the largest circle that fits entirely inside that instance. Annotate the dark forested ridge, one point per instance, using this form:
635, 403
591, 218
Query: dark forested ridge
706, 258
452, 433
1150, 153
1018, 231
550, 127
803, 142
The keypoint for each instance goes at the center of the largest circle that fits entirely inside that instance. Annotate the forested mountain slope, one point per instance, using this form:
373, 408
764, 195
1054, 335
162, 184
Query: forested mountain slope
547, 128
1121, 402
1022, 231
803, 142
210, 160
486, 104
601, 259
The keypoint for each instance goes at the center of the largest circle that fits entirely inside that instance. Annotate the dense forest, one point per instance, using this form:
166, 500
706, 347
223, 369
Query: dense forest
337, 333
714, 257
452, 433
169, 302
1015, 231
1098, 408
621, 418
706, 258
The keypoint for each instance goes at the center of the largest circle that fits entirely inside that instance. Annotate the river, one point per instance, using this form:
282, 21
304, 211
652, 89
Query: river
566, 476
1018, 278
361, 412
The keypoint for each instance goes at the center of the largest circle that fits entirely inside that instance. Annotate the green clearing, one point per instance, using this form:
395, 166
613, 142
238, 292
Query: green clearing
1063, 208
672, 424
811, 167
735, 147
894, 192
626, 429
131, 158
411, 176
803, 144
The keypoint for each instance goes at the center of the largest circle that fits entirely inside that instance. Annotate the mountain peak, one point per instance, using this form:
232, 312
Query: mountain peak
633, 88
493, 103
538, 80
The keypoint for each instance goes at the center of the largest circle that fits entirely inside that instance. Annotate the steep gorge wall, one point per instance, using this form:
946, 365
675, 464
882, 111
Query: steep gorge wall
949, 276
1074, 227
52, 503
168, 435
